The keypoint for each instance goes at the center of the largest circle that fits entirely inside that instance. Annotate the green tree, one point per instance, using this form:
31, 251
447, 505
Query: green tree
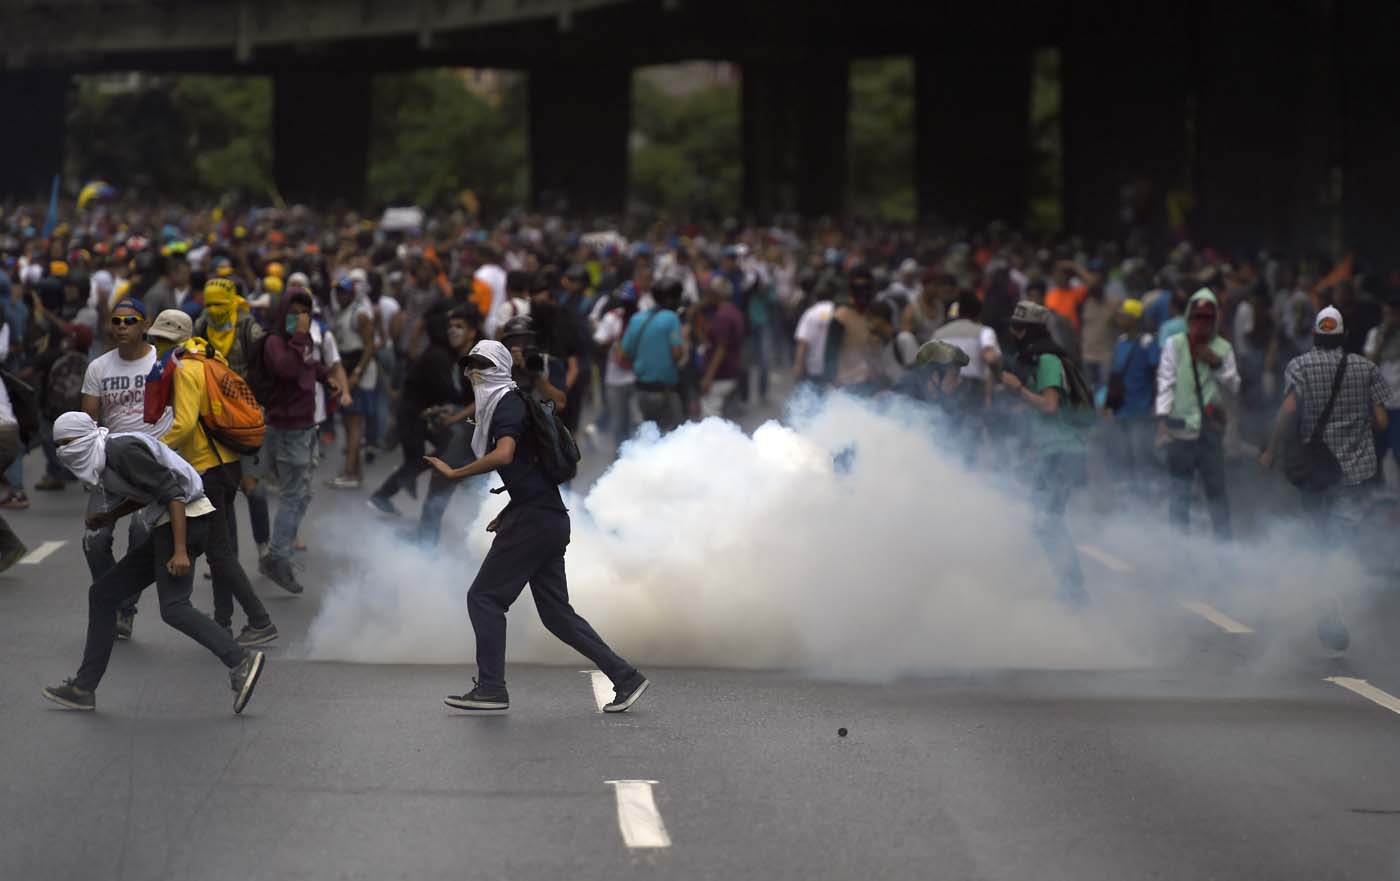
433, 137
180, 136
685, 153
881, 139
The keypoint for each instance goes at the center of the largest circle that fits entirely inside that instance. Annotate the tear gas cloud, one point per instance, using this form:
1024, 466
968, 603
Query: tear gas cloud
710, 547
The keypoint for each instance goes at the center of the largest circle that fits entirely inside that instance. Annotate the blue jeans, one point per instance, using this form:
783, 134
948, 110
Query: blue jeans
619, 407
294, 453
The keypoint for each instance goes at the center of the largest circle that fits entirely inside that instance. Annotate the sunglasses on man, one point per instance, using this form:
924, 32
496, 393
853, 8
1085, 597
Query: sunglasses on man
126, 320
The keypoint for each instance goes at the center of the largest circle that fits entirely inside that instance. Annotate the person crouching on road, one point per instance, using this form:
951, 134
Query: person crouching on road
532, 534
168, 494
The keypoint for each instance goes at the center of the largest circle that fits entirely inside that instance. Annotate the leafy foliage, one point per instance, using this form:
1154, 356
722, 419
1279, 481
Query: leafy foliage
685, 150
433, 137
880, 142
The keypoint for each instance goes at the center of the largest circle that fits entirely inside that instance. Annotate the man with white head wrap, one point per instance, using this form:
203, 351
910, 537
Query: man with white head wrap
532, 534
169, 495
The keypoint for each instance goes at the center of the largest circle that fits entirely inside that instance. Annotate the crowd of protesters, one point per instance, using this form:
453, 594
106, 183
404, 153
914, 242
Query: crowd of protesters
352, 330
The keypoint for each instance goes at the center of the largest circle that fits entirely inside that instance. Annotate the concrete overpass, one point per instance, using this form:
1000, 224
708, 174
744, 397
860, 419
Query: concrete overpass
1276, 115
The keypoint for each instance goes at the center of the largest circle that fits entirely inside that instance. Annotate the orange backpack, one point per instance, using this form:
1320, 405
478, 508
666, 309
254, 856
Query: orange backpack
234, 419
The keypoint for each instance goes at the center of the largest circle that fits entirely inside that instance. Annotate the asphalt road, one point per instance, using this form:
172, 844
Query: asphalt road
1206, 766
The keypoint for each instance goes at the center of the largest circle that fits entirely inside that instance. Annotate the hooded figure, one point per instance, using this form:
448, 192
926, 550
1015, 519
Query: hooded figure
224, 322
1196, 367
1202, 349
488, 368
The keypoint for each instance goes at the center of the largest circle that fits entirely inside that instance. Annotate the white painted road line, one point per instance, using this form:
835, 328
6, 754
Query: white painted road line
602, 688
637, 815
1367, 690
1105, 558
42, 552
1216, 617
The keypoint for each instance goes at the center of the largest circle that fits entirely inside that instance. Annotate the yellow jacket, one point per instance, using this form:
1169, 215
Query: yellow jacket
186, 436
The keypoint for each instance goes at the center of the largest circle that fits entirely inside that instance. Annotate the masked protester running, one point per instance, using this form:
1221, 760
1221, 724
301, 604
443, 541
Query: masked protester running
532, 534
166, 492
1054, 391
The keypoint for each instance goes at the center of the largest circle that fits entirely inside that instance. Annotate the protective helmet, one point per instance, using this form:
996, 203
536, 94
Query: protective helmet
521, 327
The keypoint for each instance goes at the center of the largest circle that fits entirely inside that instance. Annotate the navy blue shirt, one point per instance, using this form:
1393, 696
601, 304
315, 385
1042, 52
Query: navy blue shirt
523, 478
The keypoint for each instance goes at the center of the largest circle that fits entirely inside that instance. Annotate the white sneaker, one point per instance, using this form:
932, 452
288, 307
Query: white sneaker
343, 482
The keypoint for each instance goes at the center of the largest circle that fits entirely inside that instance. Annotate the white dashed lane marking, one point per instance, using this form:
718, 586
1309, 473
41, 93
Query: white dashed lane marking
602, 688
1367, 690
42, 552
1216, 617
1104, 557
637, 816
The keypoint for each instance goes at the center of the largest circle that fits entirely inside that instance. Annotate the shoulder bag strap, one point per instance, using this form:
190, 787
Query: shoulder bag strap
641, 332
1331, 399
1196, 377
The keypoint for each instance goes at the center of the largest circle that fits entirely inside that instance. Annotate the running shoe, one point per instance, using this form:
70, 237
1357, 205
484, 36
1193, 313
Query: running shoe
244, 678
480, 699
70, 696
627, 693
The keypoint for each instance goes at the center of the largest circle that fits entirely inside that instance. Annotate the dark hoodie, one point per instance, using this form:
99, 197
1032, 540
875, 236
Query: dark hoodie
429, 381
288, 358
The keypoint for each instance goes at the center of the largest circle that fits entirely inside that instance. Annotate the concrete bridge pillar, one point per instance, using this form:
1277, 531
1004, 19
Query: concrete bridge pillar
794, 108
35, 104
321, 133
580, 117
971, 133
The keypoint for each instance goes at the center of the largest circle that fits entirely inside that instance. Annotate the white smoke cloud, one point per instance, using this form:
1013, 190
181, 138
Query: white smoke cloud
710, 547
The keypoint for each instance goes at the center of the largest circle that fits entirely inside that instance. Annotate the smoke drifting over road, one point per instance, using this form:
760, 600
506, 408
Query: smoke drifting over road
710, 547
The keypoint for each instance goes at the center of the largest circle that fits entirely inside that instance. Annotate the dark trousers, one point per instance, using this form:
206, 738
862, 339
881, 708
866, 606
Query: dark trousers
141, 566
259, 518
414, 438
1205, 454
230, 581
529, 547
457, 453
11, 448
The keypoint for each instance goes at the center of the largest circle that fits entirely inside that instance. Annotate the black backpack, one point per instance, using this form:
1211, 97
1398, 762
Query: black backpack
555, 449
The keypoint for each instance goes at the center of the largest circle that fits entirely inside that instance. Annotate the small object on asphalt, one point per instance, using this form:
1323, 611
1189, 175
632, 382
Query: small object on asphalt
840, 732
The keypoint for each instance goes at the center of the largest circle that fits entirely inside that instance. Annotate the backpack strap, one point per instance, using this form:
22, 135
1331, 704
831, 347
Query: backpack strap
1331, 399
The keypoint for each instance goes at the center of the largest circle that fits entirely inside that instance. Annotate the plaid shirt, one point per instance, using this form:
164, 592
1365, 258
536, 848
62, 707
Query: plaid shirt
1348, 431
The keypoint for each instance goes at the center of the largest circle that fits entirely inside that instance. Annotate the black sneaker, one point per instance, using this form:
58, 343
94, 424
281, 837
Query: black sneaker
626, 694
250, 636
280, 571
244, 678
382, 505
479, 699
70, 696
12, 556
125, 621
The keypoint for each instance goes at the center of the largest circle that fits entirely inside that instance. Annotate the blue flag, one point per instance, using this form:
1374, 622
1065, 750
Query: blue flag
52, 220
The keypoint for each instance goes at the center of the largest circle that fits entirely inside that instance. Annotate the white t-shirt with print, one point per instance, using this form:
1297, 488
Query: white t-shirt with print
120, 384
